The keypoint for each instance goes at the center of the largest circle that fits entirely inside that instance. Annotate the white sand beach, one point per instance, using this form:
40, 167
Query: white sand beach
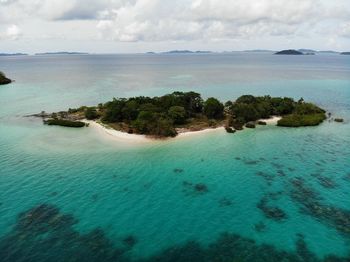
204, 131
118, 135
142, 139
271, 121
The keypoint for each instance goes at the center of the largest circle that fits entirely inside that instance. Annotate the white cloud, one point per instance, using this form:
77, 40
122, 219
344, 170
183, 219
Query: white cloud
52, 9
155, 20
344, 29
176, 20
12, 32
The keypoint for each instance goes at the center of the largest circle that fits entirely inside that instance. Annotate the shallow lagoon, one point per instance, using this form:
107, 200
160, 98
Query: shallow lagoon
151, 192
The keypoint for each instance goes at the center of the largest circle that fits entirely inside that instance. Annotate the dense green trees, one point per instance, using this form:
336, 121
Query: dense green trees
113, 110
130, 110
244, 112
252, 108
213, 108
296, 120
3, 79
249, 108
152, 116
178, 114
307, 108
158, 116
63, 122
91, 113
155, 124
304, 114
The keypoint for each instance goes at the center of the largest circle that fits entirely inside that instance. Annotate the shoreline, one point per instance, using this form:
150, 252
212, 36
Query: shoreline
116, 135
120, 136
272, 120
198, 132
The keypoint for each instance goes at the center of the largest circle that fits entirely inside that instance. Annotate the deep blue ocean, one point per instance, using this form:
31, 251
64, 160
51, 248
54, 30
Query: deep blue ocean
273, 194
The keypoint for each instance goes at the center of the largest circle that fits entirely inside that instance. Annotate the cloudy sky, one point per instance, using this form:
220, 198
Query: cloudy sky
127, 26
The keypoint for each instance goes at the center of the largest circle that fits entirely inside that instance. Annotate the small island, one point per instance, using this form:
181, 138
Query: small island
187, 52
4, 80
62, 53
345, 53
289, 52
180, 112
13, 54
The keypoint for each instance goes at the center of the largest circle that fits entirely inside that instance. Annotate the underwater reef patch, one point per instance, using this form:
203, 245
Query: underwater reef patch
267, 177
271, 212
275, 195
45, 234
52, 194
277, 165
347, 177
178, 170
195, 189
281, 173
231, 248
130, 241
94, 197
325, 181
311, 203
260, 227
251, 162
224, 202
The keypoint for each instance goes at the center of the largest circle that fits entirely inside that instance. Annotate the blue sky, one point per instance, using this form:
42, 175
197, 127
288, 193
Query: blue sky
131, 26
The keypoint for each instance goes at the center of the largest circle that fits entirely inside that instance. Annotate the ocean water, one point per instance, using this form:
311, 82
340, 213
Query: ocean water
270, 194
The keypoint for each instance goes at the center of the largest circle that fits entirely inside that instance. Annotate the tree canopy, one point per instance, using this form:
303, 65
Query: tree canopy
3, 79
213, 108
251, 108
160, 116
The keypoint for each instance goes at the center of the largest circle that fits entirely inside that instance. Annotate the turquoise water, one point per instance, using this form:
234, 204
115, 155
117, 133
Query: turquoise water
146, 200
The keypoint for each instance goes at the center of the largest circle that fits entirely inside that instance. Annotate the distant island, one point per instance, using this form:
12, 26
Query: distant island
170, 114
187, 52
259, 51
289, 52
62, 53
13, 54
303, 50
3, 79
327, 52
283, 52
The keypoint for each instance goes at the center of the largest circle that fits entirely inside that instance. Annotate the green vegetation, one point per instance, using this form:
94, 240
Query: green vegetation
163, 116
289, 52
178, 114
157, 116
304, 114
213, 108
63, 122
91, 113
3, 79
250, 125
229, 130
249, 108
295, 120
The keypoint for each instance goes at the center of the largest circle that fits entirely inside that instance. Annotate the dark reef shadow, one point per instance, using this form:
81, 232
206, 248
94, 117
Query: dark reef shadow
194, 189
44, 234
312, 204
271, 212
